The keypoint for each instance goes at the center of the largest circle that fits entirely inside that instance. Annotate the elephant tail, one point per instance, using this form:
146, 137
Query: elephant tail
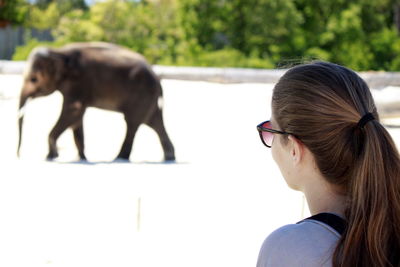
160, 100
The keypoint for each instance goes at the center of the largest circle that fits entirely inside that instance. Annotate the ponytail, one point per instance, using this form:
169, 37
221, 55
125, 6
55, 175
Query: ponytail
373, 214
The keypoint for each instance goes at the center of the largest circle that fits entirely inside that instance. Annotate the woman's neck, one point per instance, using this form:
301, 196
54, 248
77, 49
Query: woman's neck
322, 197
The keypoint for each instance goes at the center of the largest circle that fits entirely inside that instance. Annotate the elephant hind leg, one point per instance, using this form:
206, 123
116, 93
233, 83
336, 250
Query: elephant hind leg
79, 139
156, 122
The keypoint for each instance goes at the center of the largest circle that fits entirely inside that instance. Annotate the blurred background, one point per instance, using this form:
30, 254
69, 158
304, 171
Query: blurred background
224, 195
361, 34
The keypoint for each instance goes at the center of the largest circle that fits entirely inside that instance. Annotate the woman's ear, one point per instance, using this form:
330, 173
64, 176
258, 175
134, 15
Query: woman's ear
296, 150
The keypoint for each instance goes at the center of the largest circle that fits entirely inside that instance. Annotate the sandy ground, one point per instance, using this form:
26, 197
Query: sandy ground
213, 207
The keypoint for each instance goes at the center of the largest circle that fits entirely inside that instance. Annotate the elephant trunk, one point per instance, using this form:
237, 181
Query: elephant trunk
21, 112
20, 121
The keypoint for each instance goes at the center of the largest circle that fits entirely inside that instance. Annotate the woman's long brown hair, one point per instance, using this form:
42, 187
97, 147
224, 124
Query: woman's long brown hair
322, 103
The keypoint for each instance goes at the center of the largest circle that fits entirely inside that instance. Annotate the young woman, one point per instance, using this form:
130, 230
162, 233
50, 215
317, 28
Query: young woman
327, 140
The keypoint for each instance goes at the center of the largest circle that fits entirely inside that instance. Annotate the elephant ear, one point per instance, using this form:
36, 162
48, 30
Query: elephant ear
40, 60
64, 63
72, 62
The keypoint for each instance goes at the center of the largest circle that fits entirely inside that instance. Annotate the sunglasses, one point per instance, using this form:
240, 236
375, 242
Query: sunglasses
267, 133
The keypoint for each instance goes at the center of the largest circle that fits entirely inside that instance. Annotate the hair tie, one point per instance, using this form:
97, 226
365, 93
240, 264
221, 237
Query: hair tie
366, 118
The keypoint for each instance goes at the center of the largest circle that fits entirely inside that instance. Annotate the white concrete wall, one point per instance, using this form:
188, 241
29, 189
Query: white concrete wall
376, 80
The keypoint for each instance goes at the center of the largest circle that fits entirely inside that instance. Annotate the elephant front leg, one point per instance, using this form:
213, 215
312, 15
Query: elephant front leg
71, 114
58, 129
128, 142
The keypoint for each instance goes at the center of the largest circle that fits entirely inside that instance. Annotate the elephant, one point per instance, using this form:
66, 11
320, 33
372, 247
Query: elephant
101, 75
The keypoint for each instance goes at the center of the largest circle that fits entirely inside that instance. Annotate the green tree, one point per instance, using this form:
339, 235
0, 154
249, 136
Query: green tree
361, 34
148, 27
261, 28
345, 31
201, 21
265, 27
43, 18
13, 12
75, 27
64, 5
46, 14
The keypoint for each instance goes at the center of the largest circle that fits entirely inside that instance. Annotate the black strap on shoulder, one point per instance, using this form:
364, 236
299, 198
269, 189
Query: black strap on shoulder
334, 221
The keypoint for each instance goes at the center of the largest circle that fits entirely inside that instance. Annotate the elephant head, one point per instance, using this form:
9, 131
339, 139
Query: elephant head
43, 76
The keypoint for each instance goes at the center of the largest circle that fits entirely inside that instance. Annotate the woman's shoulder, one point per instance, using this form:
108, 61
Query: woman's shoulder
308, 243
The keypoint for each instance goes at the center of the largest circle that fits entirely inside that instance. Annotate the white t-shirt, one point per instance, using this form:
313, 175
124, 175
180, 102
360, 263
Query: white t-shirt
309, 243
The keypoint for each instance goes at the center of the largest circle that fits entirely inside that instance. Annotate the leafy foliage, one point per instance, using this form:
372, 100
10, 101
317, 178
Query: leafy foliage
13, 11
22, 52
361, 34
